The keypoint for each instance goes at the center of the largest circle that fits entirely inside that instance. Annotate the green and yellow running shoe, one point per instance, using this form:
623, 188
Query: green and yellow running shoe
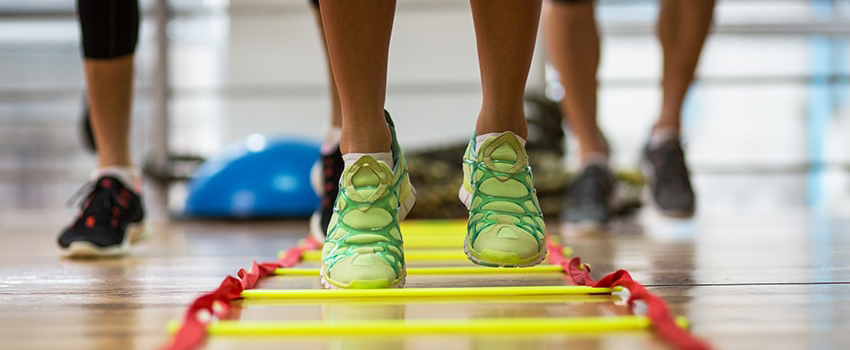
363, 248
505, 226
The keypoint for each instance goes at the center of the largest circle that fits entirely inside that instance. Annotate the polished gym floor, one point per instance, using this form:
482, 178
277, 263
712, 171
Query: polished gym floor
766, 271
764, 264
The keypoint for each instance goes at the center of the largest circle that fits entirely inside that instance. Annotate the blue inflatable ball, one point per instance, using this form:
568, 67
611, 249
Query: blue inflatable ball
259, 177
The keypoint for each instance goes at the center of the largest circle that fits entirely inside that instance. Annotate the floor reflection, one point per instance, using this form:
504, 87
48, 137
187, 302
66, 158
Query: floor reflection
353, 312
116, 282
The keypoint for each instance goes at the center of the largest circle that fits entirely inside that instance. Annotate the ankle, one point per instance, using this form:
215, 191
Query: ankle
594, 158
594, 149
128, 175
520, 131
501, 120
365, 140
385, 157
668, 122
661, 135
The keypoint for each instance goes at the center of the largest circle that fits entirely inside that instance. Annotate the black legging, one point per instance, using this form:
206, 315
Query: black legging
110, 28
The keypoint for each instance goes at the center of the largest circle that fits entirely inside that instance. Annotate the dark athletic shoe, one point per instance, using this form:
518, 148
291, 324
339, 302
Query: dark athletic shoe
669, 179
588, 198
326, 185
109, 220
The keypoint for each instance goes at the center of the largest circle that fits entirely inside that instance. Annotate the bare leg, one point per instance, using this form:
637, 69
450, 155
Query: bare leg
357, 33
682, 29
572, 41
109, 215
336, 111
109, 86
505, 32
330, 161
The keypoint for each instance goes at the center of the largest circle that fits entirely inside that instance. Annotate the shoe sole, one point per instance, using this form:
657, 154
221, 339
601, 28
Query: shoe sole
138, 232
470, 254
405, 208
466, 198
364, 284
86, 250
675, 214
649, 175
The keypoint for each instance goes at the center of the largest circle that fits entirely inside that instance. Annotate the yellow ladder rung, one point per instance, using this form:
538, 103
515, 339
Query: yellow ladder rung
430, 326
411, 228
411, 255
414, 255
453, 292
452, 270
529, 299
430, 241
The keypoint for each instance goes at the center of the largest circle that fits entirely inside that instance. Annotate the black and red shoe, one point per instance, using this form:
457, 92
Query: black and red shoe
325, 179
110, 219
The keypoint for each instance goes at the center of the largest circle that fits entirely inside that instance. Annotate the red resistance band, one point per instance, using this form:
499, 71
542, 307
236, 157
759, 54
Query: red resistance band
193, 330
662, 323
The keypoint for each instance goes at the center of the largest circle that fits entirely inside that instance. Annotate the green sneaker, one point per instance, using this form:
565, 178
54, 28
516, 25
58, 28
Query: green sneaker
363, 248
505, 222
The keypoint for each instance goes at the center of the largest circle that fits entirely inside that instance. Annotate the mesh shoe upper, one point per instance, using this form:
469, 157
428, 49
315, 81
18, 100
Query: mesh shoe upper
105, 214
506, 225
363, 248
588, 195
332, 165
670, 181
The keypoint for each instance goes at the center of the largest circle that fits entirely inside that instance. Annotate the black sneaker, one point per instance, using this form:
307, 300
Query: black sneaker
109, 220
669, 179
327, 183
588, 198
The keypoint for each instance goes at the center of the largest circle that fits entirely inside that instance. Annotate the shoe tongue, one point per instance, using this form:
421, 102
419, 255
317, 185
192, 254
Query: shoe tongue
365, 176
367, 179
505, 152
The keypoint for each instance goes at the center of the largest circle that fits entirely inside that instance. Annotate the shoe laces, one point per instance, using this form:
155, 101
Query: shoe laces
76, 198
103, 201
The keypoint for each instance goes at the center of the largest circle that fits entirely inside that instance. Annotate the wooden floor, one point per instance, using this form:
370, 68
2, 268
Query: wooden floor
764, 265
751, 272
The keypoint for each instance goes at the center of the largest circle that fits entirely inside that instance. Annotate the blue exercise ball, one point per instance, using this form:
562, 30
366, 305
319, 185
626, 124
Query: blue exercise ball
258, 177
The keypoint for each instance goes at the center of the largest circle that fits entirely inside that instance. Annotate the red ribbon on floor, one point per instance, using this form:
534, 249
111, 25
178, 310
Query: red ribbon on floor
662, 322
193, 330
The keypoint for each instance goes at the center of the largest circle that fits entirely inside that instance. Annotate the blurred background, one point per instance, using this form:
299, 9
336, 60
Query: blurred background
770, 108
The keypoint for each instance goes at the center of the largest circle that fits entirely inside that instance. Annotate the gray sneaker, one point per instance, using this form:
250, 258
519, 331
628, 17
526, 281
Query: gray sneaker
669, 179
588, 198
